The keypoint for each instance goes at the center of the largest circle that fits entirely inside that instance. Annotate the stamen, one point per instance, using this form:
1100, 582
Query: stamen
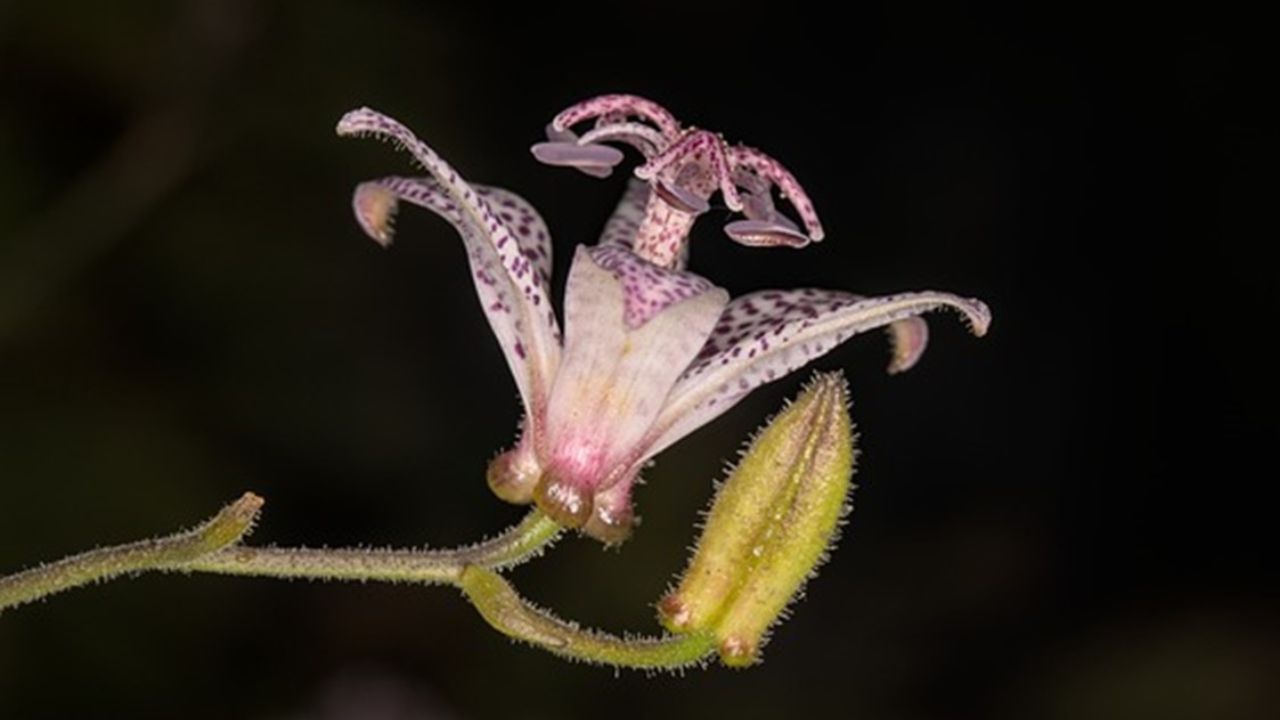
642, 137
594, 160
695, 143
679, 198
765, 166
619, 105
765, 233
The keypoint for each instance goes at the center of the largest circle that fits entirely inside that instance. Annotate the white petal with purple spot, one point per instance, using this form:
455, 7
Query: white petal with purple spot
763, 336
508, 266
614, 378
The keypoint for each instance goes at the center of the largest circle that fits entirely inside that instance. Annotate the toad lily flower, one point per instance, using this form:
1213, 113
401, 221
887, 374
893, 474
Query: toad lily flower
651, 352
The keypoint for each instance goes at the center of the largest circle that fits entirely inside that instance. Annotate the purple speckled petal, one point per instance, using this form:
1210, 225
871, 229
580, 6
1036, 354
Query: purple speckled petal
614, 378
765, 233
764, 336
648, 289
594, 160
620, 229
507, 245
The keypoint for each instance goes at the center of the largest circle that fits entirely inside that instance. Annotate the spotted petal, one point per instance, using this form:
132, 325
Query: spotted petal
507, 245
614, 378
763, 336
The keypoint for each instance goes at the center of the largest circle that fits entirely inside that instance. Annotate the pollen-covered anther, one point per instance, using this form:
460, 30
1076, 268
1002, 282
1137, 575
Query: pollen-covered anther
564, 149
765, 233
679, 198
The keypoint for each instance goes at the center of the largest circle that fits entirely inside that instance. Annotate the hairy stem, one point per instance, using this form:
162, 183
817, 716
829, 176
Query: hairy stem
225, 529
512, 547
213, 547
504, 609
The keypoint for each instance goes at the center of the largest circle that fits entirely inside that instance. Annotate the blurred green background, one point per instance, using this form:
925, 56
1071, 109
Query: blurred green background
1063, 520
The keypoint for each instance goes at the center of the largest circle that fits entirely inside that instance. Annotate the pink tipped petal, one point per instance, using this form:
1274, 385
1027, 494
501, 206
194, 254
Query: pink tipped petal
614, 379
508, 257
621, 227
763, 336
908, 340
375, 210
766, 167
648, 289
763, 233
595, 160
615, 107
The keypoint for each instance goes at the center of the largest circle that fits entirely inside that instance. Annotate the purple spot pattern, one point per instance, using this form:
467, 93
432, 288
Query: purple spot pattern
763, 336
509, 267
690, 163
469, 207
648, 289
497, 274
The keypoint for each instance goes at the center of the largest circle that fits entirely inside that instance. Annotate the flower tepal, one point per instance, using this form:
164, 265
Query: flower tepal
650, 352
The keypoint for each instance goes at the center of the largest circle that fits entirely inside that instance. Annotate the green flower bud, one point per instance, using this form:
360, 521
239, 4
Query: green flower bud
770, 525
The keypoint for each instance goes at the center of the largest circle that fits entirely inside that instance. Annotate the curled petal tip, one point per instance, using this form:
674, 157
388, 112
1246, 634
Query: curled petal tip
353, 121
594, 160
978, 315
375, 210
765, 233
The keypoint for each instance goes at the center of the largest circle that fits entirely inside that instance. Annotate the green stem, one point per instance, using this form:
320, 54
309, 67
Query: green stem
225, 529
512, 547
213, 548
504, 609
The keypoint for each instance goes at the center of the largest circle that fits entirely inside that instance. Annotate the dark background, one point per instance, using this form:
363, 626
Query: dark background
1066, 519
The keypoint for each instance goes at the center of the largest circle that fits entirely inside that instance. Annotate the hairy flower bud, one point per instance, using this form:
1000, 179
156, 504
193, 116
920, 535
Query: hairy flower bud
770, 525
